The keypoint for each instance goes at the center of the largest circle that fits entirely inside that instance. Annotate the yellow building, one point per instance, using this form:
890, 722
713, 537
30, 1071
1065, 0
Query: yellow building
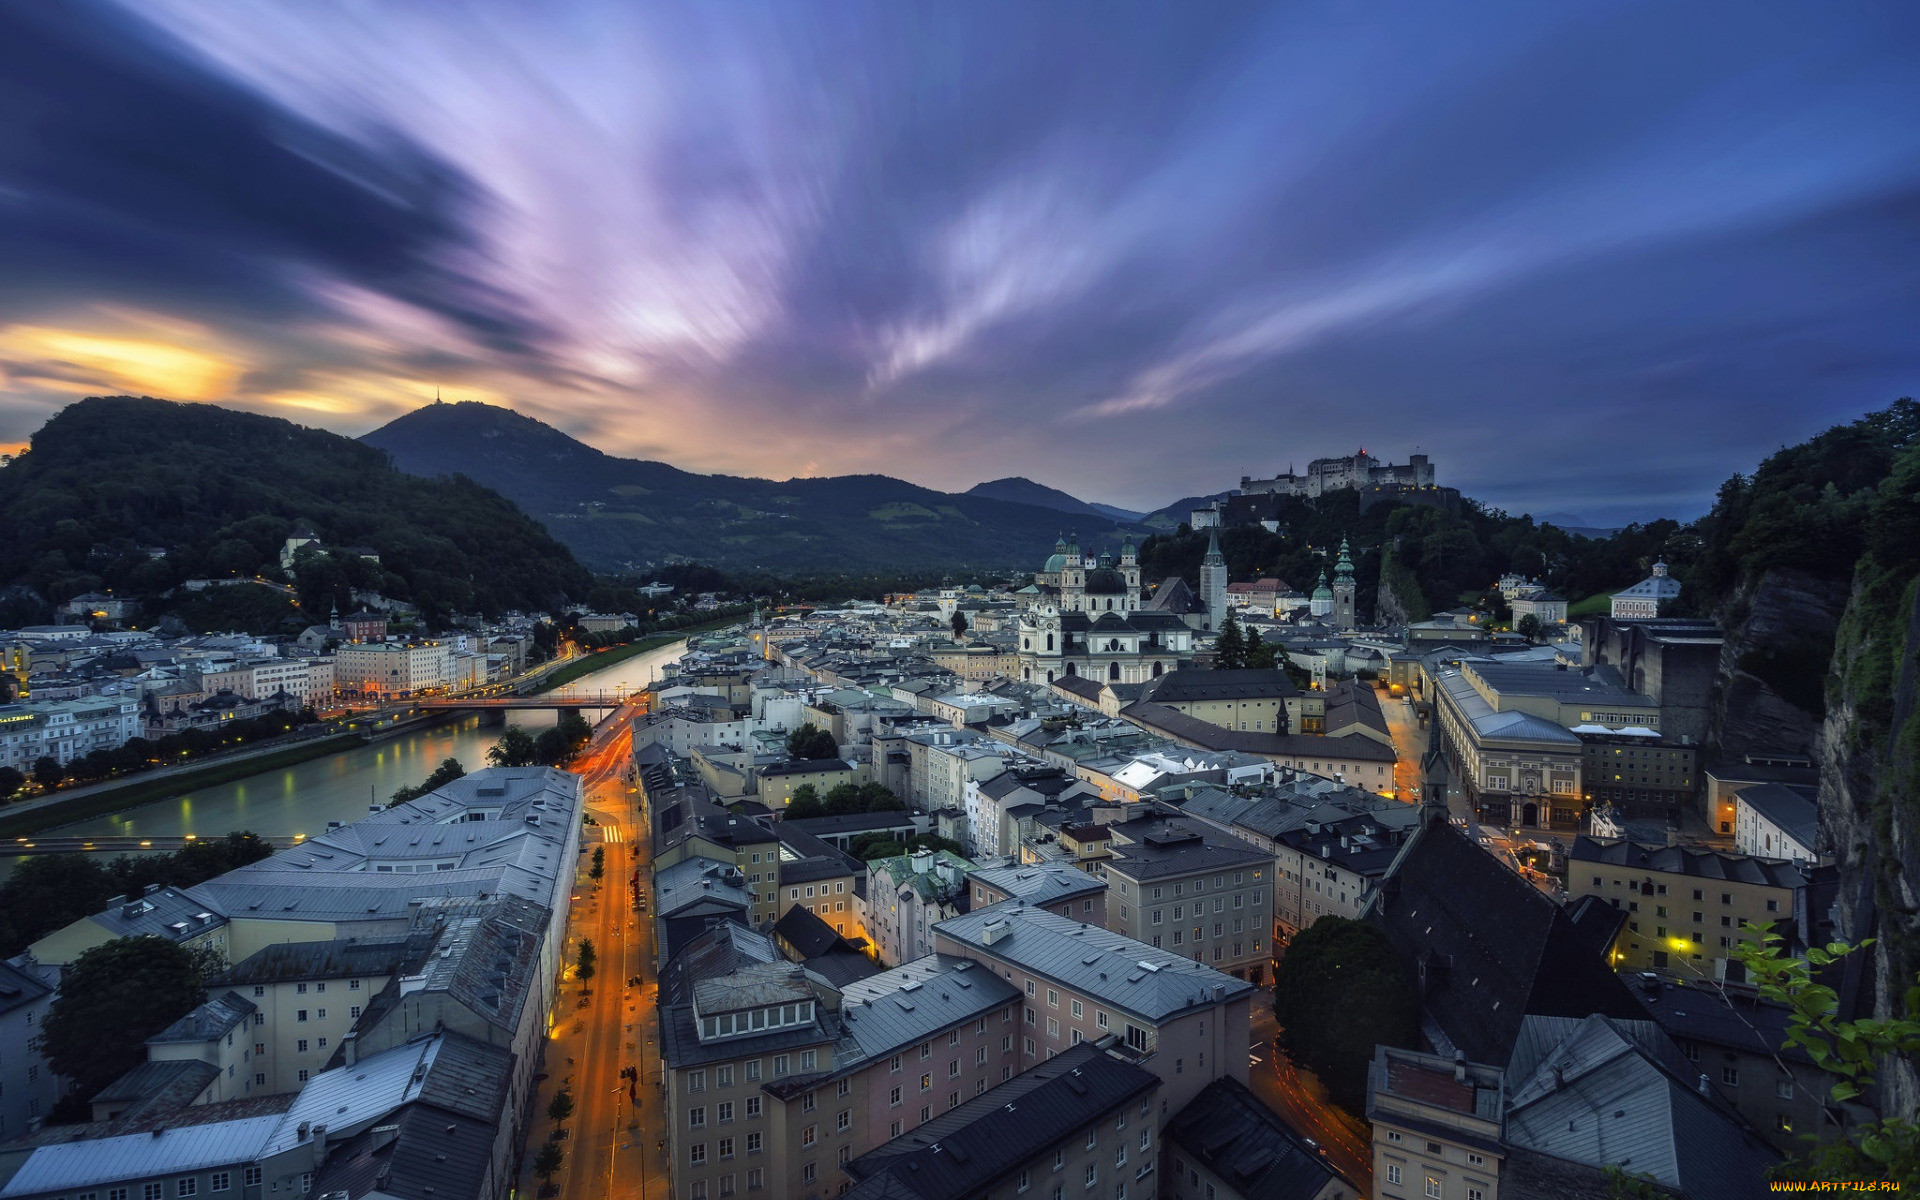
1686, 907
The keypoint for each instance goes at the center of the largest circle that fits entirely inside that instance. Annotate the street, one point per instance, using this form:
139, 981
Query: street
1346, 1140
602, 1026
1409, 743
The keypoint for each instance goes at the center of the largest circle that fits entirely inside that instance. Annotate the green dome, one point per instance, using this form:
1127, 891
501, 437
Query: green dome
1057, 562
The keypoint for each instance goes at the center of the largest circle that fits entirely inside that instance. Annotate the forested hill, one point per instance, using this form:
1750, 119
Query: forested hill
108, 481
622, 513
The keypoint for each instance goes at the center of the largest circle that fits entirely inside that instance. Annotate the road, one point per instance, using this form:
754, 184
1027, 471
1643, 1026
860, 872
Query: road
1297, 1096
601, 1025
1409, 743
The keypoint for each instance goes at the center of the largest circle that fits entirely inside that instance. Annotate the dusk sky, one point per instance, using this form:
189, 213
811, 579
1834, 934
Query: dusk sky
1592, 258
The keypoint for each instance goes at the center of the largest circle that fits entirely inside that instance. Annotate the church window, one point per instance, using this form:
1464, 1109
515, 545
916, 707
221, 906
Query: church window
1049, 641
1049, 676
1156, 670
1113, 670
1071, 669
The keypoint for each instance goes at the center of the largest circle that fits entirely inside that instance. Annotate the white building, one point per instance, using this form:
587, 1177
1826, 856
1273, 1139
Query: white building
1772, 820
1643, 599
28, 1086
391, 668
265, 678
64, 730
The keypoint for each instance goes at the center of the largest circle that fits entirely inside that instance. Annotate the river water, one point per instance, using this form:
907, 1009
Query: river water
303, 798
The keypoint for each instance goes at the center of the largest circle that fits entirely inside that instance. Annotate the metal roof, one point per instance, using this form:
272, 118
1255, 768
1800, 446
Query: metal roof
1040, 884
347, 1096
911, 1003
133, 1156
1132, 976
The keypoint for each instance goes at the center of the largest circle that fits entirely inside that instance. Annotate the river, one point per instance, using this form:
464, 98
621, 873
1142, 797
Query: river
303, 798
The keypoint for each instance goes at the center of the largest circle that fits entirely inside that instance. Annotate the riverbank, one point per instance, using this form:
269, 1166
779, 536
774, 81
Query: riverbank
602, 659
65, 810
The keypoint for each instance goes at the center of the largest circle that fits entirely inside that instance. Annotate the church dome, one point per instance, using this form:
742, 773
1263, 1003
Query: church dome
1105, 581
1057, 562
1323, 592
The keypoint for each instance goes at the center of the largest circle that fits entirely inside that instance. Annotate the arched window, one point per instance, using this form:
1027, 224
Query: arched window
1049, 641
1113, 670
1109, 605
1156, 670
1049, 676
1072, 670
1026, 643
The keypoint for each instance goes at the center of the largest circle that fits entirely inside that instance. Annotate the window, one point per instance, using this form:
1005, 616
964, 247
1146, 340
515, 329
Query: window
779, 1065
696, 1081
300, 989
1100, 1018
844, 1121
303, 1075
319, 1014
697, 1118
354, 1012
260, 1079
724, 1113
1074, 1006
1029, 1046
753, 1072
1730, 1076
1093, 1174
187, 1185
250, 1177
893, 1064
753, 1142
1784, 1089
1433, 1188
726, 1147
953, 1069
1477, 1160
953, 1037
753, 1107
697, 1154
808, 1173
845, 1086
353, 985
301, 1046
809, 1060
807, 1102
300, 1014
1025, 1181
1053, 998
726, 1185
756, 1178
220, 1181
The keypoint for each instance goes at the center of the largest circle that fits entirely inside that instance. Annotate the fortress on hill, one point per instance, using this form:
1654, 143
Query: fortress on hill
1360, 470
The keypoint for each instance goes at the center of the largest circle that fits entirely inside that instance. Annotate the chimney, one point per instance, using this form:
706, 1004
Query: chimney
306, 1127
1460, 1067
350, 1047
1706, 1087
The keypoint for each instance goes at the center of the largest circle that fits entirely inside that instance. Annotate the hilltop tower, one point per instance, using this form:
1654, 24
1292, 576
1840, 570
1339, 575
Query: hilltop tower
1343, 589
1213, 581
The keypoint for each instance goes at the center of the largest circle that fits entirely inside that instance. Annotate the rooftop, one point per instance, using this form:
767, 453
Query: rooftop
914, 1001
1232, 1133
1040, 885
1693, 861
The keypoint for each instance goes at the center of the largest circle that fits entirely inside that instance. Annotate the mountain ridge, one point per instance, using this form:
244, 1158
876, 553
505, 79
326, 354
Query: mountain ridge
632, 514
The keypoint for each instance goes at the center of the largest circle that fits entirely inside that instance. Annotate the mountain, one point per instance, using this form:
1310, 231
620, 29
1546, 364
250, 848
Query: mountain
1026, 491
137, 495
620, 513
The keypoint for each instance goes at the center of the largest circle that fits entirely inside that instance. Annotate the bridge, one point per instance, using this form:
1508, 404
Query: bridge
561, 699
120, 844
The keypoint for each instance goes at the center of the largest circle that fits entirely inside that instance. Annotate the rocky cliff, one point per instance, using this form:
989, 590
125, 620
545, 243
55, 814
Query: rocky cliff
1780, 629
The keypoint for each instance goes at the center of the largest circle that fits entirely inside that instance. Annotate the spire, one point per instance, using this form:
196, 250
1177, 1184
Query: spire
1213, 543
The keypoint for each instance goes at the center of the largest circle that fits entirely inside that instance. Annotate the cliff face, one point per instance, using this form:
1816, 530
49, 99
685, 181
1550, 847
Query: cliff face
1780, 631
1869, 756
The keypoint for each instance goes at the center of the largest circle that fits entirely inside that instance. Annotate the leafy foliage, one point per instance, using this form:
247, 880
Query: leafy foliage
1851, 1051
140, 754
547, 1160
1338, 993
50, 891
448, 771
869, 847
560, 1107
518, 748
220, 491
1230, 649
808, 742
842, 799
587, 961
111, 1000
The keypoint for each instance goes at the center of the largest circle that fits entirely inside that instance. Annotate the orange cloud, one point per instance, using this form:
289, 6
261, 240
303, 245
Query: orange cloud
85, 362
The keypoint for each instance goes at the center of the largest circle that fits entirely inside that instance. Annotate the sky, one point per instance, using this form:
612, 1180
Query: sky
1592, 258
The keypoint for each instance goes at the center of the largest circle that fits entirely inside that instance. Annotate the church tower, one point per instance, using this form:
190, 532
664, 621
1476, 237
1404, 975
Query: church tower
1321, 603
1213, 580
1343, 589
1130, 567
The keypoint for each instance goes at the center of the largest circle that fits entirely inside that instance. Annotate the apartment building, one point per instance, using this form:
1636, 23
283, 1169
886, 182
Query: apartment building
1686, 907
1185, 1022
1079, 1124
1180, 887
392, 668
1244, 701
1228, 1145
1518, 768
1054, 887
906, 896
688, 824
305, 680
64, 730
28, 1086
1437, 1127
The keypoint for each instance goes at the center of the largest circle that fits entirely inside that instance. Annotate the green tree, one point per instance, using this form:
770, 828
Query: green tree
1851, 1051
1528, 627
560, 1107
598, 870
47, 771
546, 1162
11, 781
586, 961
1230, 651
808, 742
515, 748
1259, 655
959, 624
1340, 991
111, 1000
448, 771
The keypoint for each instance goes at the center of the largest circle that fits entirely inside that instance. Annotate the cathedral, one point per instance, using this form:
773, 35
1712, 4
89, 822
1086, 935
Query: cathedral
1085, 617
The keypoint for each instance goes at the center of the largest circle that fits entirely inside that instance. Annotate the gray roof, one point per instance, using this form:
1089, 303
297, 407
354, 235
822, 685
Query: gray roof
1787, 808
1161, 848
1487, 722
1190, 684
1183, 728
1599, 1097
1693, 861
1228, 1130
19, 987
1132, 976
911, 1003
1040, 884
180, 1151
753, 986
698, 882
964, 1151
210, 1019
286, 962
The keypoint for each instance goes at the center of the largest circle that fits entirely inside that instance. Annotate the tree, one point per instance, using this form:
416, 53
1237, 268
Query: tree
805, 802
599, 868
1528, 627
808, 742
11, 781
514, 749
585, 962
1259, 655
560, 1107
1230, 651
47, 771
959, 624
448, 771
112, 999
1340, 991
546, 1162
1851, 1051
